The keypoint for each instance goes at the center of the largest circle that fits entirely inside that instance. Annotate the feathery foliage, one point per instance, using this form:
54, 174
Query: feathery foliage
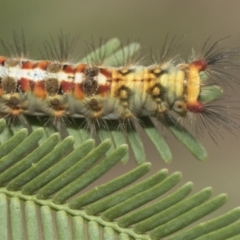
41, 194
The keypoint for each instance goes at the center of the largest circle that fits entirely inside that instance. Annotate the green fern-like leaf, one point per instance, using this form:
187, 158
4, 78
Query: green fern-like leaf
48, 180
42, 179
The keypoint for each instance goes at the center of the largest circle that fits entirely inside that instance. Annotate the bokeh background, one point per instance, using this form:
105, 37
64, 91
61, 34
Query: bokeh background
149, 21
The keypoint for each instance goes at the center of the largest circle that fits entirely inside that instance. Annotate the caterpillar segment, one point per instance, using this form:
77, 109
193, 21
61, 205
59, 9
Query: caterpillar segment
194, 86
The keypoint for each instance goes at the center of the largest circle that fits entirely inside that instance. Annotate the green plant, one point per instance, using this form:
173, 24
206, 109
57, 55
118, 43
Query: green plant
40, 175
46, 179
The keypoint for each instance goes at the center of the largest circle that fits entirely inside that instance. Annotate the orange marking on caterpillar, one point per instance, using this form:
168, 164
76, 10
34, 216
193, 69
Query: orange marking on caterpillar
200, 65
194, 86
66, 86
197, 107
42, 65
80, 68
26, 84
106, 73
68, 69
2, 60
28, 65
39, 89
77, 91
59, 113
16, 112
103, 89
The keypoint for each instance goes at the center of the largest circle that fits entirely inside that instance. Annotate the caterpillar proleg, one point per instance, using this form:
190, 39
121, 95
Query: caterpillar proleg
117, 100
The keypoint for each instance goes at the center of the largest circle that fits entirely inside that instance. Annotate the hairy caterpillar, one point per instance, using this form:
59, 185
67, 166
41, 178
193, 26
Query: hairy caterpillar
98, 93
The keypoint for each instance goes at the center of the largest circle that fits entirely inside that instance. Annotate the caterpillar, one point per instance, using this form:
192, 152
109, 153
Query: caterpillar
99, 93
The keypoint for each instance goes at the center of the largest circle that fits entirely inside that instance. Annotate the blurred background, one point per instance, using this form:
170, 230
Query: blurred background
148, 21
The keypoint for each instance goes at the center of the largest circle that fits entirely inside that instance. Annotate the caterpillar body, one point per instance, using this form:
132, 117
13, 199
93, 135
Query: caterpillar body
99, 93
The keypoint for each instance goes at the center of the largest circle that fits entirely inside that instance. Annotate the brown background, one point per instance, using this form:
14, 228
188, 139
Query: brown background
149, 21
